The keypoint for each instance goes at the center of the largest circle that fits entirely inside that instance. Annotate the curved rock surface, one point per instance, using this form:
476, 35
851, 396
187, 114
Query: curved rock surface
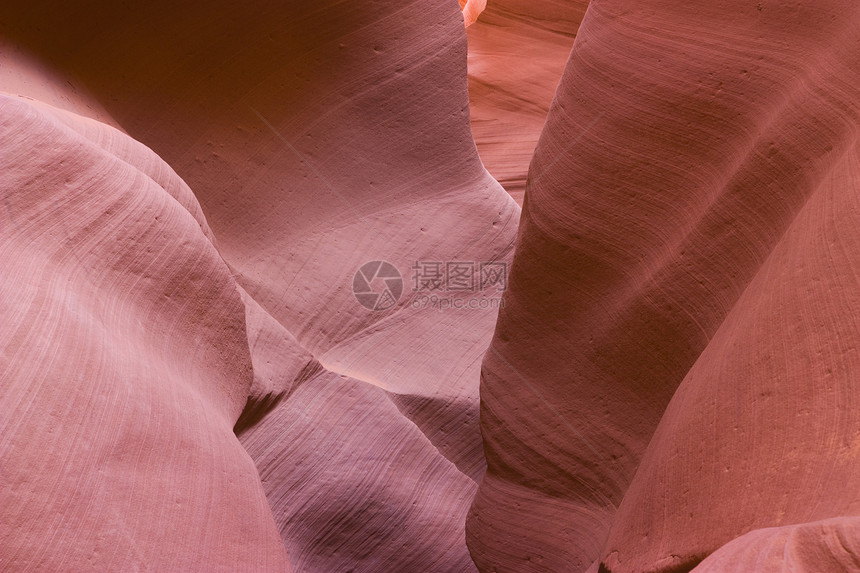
765, 420
829, 545
349, 120
666, 186
316, 138
517, 52
124, 363
190, 194
356, 486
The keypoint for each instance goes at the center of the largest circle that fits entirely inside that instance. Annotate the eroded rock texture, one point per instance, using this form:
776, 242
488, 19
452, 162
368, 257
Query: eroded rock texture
517, 52
316, 137
124, 363
188, 382
828, 545
689, 225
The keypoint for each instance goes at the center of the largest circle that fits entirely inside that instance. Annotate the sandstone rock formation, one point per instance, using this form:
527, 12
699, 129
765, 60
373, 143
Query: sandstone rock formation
712, 253
517, 52
471, 10
124, 365
829, 545
188, 194
315, 139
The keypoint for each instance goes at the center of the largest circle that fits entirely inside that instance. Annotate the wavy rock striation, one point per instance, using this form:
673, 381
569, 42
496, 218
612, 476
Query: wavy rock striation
517, 52
316, 138
828, 545
690, 210
124, 363
189, 196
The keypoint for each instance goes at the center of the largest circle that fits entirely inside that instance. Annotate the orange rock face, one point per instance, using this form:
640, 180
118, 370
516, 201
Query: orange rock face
517, 52
257, 314
687, 235
471, 10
